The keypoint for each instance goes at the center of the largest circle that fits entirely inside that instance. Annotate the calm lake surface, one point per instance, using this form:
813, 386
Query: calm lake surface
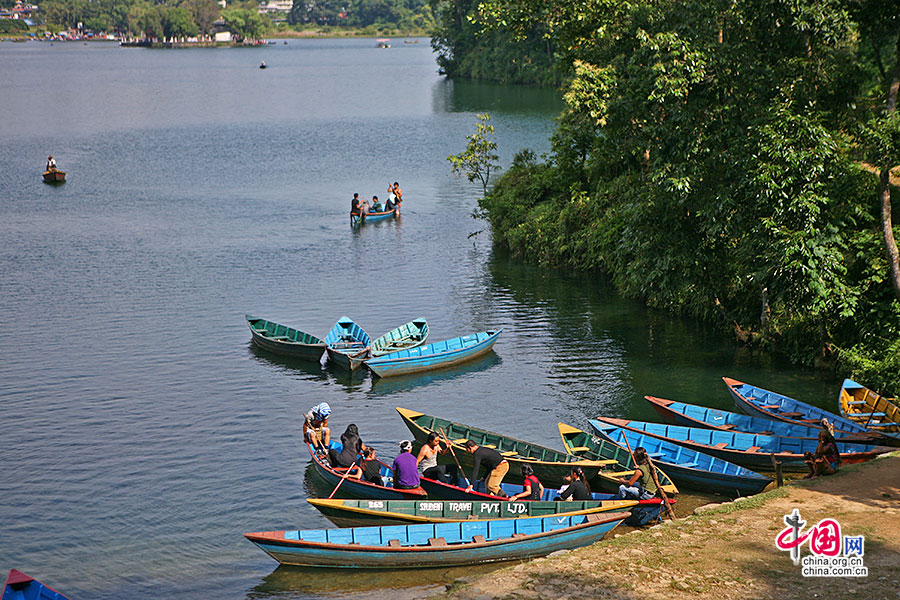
142, 434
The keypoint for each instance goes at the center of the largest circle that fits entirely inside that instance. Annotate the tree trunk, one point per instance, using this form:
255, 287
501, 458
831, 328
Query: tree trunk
887, 226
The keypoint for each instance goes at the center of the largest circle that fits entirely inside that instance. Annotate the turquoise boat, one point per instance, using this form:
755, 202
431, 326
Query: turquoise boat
684, 466
374, 217
20, 586
406, 336
284, 340
435, 545
434, 356
347, 344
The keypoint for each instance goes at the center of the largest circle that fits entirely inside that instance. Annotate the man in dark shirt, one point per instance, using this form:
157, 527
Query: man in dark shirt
354, 208
495, 464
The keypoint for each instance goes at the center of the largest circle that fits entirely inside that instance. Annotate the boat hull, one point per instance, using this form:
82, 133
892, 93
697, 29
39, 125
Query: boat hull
355, 488
20, 586
389, 365
863, 406
348, 344
406, 336
264, 334
54, 176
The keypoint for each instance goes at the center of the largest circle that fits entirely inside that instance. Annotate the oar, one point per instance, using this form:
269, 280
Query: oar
453, 454
346, 475
669, 510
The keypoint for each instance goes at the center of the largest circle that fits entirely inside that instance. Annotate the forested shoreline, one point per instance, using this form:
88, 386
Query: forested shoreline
725, 161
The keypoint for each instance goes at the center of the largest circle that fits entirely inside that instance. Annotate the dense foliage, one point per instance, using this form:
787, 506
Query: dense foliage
728, 160
405, 15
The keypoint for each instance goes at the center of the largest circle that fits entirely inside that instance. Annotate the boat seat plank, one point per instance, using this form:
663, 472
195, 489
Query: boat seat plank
655, 454
509, 453
437, 541
492, 446
620, 473
478, 539
753, 449
579, 449
727, 426
460, 441
394, 543
867, 415
856, 402
688, 465
791, 414
770, 406
721, 445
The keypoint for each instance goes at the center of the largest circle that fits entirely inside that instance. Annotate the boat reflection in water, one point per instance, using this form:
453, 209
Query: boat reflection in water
402, 383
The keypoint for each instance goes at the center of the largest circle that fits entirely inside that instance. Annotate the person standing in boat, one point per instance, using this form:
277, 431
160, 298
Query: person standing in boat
355, 209
406, 475
496, 465
427, 461
51, 164
397, 192
315, 427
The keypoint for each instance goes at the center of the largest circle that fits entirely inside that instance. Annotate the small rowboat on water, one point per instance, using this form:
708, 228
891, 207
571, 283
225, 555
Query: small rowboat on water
347, 344
686, 467
550, 466
360, 488
374, 217
435, 545
438, 355
20, 586
284, 340
54, 176
406, 336
754, 451
872, 411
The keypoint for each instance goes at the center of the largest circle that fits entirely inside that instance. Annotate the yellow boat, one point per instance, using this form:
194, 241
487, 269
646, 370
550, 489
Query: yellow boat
869, 409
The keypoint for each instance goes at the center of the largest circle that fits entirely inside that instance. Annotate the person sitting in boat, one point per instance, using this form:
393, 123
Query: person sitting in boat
51, 164
388, 205
406, 474
496, 465
315, 427
370, 468
376, 205
577, 487
642, 485
533, 488
427, 461
827, 459
352, 447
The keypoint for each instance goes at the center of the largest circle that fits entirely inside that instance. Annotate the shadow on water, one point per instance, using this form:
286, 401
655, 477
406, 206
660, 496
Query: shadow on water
384, 386
458, 96
309, 369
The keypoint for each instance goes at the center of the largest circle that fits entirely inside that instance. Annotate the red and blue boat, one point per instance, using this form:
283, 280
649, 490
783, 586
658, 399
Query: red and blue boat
20, 586
360, 488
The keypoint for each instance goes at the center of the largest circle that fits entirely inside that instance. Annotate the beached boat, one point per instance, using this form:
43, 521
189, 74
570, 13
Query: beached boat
434, 356
406, 336
686, 467
347, 344
360, 488
872, 411
352, 513
749, 450
758, 402
693, 415
54, 176
20, 586
550, 466
285, 340
437, 544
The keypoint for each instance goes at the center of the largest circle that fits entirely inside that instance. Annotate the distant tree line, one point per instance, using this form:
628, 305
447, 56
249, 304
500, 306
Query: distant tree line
410, 15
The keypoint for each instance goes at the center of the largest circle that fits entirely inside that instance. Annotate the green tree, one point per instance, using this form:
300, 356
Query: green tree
479, 159
245, 23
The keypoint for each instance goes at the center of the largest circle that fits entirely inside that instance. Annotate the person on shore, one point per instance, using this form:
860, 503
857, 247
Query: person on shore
376, 205
427, 461
642, 485
51, 164
355, 210
370, 468
533, 490
352, 447
315, 427
577, 487
827, 458
406, 474
496, 466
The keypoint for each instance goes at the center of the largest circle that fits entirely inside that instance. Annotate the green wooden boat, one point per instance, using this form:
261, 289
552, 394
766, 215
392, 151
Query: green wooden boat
406, 336
353, 513
285, 340
581, 443
550, 466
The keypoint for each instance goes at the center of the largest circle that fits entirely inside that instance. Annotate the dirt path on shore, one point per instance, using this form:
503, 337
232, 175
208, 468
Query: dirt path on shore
726, 551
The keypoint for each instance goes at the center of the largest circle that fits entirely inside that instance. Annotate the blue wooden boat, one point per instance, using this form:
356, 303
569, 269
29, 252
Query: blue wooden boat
20, 586
360, 488
754, 451
642, 511
284, 340
435, 545
434, 356
409, 335
686, 467
758, 402
347, 344
374, 217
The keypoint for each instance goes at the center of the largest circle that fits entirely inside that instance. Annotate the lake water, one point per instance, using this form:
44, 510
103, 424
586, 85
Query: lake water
142, 434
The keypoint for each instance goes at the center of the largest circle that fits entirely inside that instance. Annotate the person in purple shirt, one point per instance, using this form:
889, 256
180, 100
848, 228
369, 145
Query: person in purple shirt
406, 473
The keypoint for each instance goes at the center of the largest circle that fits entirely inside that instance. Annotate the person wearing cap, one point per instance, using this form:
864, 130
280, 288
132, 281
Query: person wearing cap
315, 426
406, 475
495, 464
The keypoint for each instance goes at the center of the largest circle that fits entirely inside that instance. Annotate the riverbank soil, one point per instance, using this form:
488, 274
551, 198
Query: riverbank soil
726, 551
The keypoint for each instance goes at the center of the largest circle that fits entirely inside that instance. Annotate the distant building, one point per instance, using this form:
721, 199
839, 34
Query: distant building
275, 6
20, 11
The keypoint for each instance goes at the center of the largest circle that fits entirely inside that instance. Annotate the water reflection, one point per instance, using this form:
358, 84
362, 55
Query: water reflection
308, 370
451, 96
384, 386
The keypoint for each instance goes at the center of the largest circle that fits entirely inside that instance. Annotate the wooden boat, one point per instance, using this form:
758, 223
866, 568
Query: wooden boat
347, 344
434, 356
437, 544
285, 340
20, 586
758, 402
406, 336
54, 176
374, 217
872, 411
754, 451
360, 488
350, 513
686, 467
550, 466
